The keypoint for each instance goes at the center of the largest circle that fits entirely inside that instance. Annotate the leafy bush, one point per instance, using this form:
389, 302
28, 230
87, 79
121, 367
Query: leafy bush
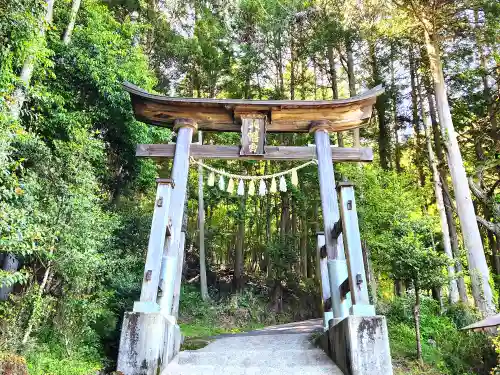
54, 360
496, 345
236, 313
11, 364
452, 351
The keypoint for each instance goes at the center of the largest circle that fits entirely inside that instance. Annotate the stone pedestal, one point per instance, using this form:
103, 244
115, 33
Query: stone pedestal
360, 346
148, 342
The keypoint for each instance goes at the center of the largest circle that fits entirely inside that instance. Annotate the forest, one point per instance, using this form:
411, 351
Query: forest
76, 203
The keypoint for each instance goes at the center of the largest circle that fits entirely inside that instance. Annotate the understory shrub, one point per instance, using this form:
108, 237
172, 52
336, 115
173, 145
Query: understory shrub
11, 364
243, 311
496, 345
55, 360
444, 345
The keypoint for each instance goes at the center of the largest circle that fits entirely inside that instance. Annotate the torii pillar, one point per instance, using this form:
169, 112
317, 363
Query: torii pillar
150, 335
337, 266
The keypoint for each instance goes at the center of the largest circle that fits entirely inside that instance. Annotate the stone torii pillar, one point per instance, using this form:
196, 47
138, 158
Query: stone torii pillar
173, 256
150, 335
337, 267
145, 330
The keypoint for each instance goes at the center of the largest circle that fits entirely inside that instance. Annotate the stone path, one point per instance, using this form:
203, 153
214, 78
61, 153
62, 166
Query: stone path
276, 350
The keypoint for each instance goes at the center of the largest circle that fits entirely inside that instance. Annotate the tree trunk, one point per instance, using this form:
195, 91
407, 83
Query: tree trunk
75, 6
398, 288
293, 230
352, 85
240, 241
268, 226
369, 272
37, 305
277, 297
285, 216
416, 316
462, 288
335, 90
380, 105
292, 66
303, 247
480, 277
415, 119
484, 76
496, 256
397, 148
281, 80
491, 211
453, 289
201, 229
19, 95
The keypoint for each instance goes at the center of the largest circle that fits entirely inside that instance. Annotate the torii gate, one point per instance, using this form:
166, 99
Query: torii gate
150, 336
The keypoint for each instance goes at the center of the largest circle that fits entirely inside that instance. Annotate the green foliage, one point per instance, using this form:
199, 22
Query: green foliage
281, 254
51, 360
238, 313
19, 38
13, 364
61, 169
496, 345
444, 346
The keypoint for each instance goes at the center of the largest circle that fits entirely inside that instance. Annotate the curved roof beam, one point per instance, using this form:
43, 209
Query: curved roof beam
225, 114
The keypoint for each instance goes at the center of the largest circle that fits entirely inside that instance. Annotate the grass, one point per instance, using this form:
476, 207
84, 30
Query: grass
51, 361
199, 321
207, 329
239, 313
409, 367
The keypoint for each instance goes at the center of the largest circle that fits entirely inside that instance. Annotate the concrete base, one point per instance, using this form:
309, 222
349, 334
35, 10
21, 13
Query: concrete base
360, 346
149, 341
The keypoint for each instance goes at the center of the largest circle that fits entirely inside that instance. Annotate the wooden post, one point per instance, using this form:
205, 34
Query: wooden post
358, 283
180, 171
330, 209
158, 234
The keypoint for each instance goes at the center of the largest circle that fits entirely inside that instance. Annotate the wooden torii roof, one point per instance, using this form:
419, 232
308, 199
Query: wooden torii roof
225, 114
489, 322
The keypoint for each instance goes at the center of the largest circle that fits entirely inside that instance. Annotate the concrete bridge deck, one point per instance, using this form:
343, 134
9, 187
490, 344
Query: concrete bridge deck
282, 349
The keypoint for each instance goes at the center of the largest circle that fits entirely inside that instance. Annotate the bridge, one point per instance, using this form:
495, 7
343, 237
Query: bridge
352, 338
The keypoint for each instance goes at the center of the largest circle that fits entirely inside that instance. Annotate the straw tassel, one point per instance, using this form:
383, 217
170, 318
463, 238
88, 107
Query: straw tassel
283, 184
211, 179
230, 186
251, 188
273, 185
241, 188
222, 186
295, 178
262, 188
